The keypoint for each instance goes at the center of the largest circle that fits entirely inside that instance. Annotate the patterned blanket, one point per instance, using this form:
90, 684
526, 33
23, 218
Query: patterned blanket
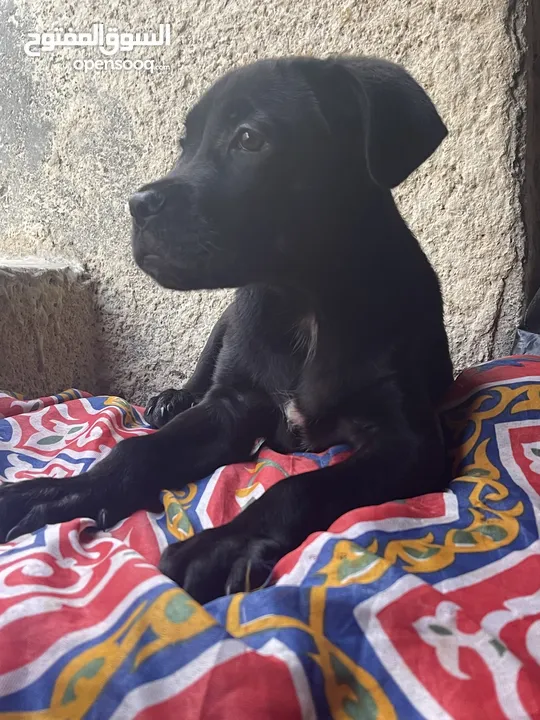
428, 608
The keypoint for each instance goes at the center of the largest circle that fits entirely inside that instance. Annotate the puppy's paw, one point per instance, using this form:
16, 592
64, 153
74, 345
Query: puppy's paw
167, 405
29, 505
220, 562
117, 486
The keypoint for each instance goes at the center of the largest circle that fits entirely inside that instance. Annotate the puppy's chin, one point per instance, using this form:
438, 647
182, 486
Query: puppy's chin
183, 281
193, 269
174, 276
169, 275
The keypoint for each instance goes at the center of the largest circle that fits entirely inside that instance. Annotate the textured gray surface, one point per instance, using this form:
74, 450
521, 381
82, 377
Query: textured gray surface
531, 196
77, 143
47, 326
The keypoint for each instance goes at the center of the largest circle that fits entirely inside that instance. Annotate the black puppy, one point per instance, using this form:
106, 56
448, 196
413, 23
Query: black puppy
336, 335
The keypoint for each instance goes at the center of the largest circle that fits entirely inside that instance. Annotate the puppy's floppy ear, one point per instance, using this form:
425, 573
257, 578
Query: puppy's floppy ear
399, 124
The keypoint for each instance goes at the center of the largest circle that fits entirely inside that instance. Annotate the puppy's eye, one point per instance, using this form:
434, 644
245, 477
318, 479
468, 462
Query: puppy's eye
249, 140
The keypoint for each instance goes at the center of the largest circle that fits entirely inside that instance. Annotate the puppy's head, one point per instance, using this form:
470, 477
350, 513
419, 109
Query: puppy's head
273, 158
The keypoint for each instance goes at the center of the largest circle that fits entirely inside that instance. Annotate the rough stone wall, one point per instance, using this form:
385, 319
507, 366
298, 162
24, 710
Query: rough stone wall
531, 195
49, 338
75, 144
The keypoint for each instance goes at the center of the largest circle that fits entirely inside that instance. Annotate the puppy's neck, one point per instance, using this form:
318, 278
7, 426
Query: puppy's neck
361, 247
367, 257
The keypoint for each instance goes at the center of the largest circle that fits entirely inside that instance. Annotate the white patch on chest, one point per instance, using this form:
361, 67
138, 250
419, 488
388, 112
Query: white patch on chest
293, 414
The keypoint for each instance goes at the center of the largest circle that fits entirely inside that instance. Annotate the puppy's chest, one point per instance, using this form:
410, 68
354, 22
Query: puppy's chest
279, 358
305, 338
314, 431
303, 401
295, 418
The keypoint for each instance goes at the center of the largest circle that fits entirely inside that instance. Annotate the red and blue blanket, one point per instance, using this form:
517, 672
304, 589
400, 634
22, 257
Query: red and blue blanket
427, 608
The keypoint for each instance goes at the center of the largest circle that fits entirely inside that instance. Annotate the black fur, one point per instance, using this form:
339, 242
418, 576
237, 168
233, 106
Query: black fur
336, 332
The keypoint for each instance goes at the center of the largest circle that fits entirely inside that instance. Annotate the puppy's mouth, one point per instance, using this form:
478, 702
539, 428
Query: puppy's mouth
190, 262
173, 265
161, 273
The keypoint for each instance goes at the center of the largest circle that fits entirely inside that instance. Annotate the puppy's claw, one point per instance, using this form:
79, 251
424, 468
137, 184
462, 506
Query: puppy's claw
247, 584
102, 519
221, 561
12, 534
101, 522
31, 522
167, 405
245, 577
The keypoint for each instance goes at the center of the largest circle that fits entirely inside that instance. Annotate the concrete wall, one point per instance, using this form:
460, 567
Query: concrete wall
531, 194
48, 329
75, 144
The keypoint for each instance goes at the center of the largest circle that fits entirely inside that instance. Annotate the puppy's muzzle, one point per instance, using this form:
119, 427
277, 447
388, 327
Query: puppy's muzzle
146, 204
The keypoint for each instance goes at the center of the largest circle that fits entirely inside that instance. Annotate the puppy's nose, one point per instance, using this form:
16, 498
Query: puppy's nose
145, 203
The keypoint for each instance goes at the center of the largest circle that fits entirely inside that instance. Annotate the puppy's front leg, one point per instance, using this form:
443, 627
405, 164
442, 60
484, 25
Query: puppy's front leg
220, 430
162, 408
394, 461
